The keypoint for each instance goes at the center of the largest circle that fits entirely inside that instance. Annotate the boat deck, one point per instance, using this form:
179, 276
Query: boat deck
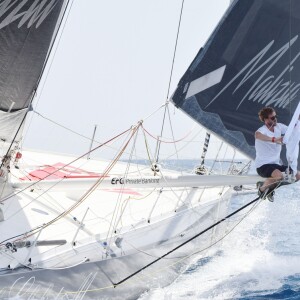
92, 219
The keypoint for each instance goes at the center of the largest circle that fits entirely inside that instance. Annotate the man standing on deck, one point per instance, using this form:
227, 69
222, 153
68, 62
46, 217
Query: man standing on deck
268, 141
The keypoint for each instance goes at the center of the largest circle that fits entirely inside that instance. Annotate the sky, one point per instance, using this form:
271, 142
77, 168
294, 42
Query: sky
111, 68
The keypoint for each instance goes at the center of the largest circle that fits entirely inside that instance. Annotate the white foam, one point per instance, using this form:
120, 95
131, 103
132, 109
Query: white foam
256, 257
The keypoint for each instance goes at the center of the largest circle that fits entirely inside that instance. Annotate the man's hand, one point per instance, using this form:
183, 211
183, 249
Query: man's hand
278, 140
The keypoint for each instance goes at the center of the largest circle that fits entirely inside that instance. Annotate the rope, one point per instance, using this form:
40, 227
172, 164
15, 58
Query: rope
45, 192
173, 61
173, 137
170, 79
64, 127
48, 57
118, 207
187, 256
169, 265
38, 81
186, 242
161, 132
84, 136
167, 142
189, 240
83, 155
85, 196
93, 188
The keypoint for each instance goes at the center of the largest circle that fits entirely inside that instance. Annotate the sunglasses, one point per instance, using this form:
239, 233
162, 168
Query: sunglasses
274, 117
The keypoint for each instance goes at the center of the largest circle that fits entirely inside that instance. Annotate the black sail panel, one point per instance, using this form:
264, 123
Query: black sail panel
26, 31
251, 60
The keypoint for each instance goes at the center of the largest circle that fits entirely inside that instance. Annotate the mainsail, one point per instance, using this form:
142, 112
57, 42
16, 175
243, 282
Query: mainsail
27, 28
251, 60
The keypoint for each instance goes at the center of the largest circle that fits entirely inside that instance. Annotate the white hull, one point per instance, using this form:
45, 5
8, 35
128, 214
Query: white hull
93, 280
113, 233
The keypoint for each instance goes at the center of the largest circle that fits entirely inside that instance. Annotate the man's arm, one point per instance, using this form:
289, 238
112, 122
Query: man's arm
265, 138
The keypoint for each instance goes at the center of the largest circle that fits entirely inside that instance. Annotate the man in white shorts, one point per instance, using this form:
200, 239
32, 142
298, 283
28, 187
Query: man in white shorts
268, 141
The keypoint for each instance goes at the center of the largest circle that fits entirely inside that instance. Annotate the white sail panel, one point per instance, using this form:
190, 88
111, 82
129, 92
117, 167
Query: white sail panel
9, 124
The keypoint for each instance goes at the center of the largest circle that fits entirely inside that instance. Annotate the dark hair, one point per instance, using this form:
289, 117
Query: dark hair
265, 112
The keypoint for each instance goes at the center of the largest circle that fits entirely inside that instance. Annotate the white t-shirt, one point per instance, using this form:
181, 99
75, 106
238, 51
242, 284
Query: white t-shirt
269, 152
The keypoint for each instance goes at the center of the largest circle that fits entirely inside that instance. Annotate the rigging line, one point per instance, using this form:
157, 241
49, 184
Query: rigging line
64, 127
176, 151
211, 245
137, 165
232, 160
86, 137
161, 132
35, 89
169, 265
21, 234
147, 147
213, 165
118, 206
114, 211
168, 142
170, 78
48, 56
179, 200
184, 146
187, 241
181, 259
45, 192
174, 55
76, 159
89, 191
155, 272
53, 41
154, 112
200, 250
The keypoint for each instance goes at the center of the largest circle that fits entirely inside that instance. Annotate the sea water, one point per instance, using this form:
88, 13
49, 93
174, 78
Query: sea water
259, 259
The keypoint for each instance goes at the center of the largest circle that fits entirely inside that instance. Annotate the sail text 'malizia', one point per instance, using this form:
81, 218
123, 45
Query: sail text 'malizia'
268, 90
25, 11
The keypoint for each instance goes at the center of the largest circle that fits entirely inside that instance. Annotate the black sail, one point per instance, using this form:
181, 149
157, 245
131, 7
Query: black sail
26, 31
251, 60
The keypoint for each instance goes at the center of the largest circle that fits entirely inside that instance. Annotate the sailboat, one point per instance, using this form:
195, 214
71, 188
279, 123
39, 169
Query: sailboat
78, 228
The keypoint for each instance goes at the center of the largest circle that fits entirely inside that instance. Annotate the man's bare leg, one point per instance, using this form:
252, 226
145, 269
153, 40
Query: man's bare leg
270, 183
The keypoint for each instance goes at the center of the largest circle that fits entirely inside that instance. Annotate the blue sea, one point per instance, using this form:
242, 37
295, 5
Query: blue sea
259, 259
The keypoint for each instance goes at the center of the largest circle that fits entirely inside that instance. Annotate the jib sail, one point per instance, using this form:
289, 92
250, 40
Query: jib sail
251, 60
